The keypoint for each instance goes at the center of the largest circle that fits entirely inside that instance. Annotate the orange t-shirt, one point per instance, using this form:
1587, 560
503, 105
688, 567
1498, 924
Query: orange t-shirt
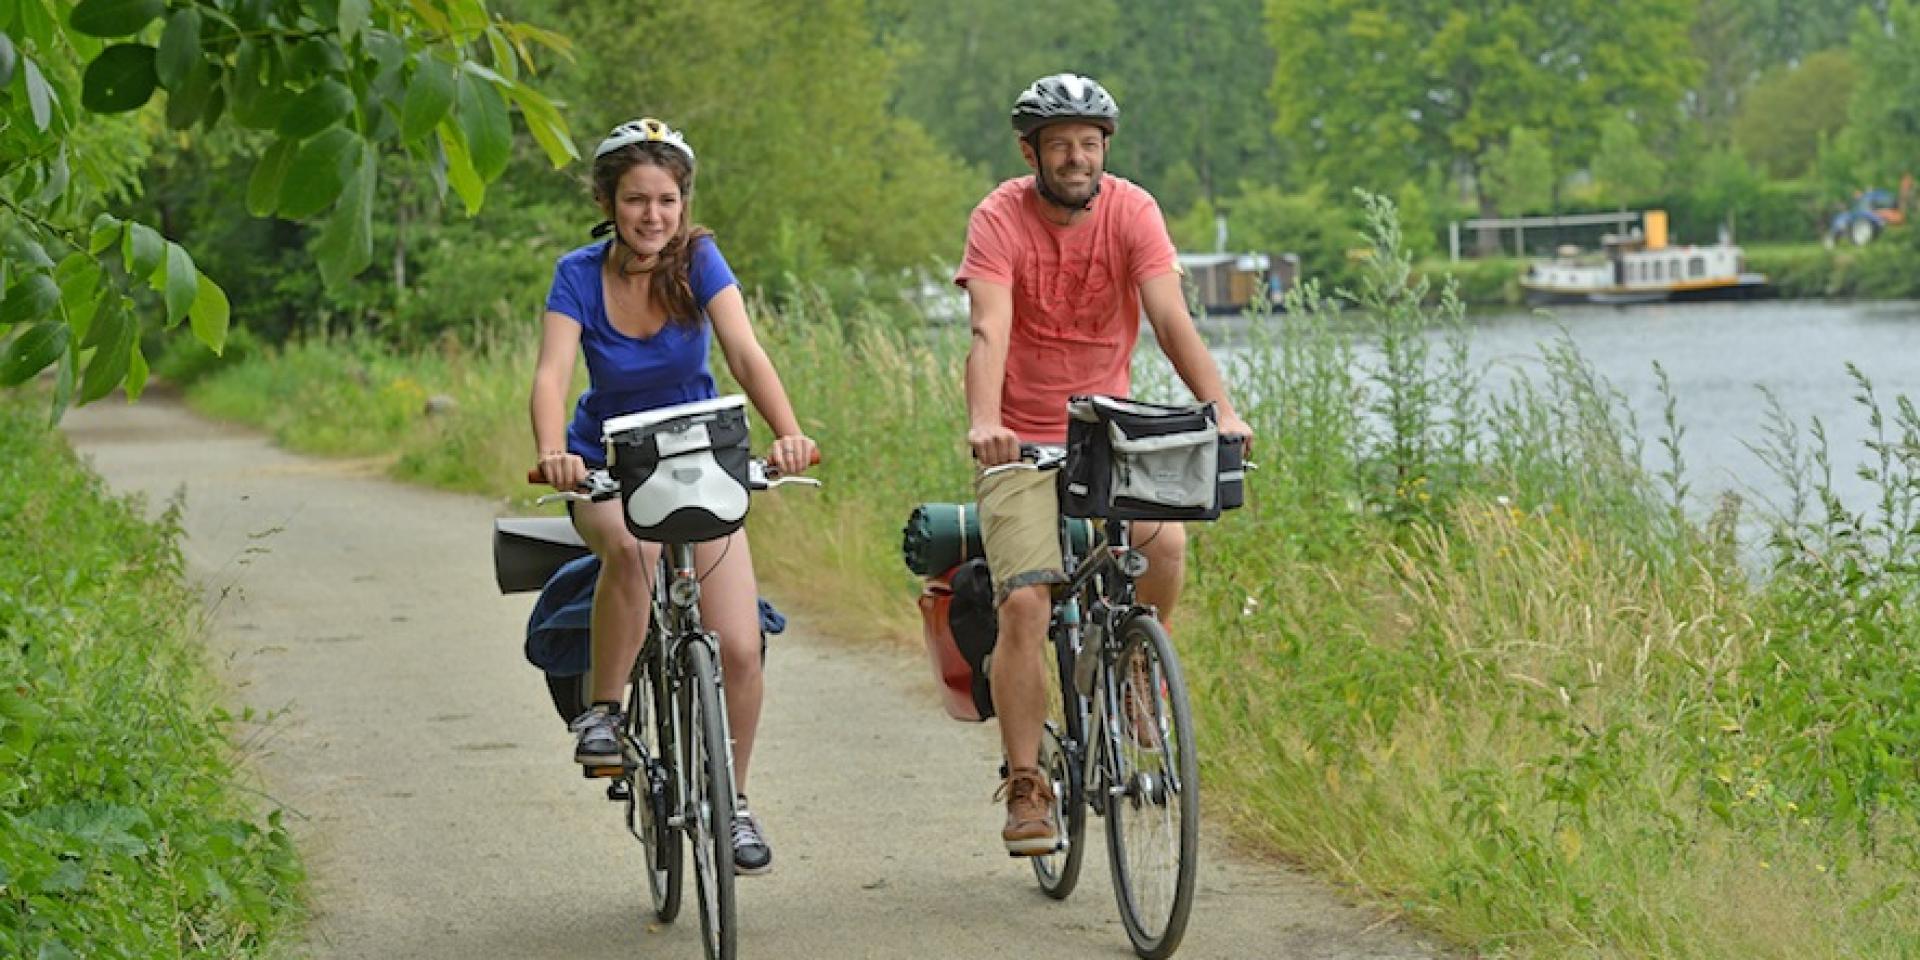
1076, 295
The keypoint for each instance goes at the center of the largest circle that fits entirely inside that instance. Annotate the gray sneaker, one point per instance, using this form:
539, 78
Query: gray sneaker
751, 854
599, 743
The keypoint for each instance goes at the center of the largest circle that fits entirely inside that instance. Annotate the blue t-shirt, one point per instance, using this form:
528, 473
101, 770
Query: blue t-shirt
628, 374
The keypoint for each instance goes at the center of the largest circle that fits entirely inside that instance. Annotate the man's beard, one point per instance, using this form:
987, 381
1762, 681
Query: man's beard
1074, 196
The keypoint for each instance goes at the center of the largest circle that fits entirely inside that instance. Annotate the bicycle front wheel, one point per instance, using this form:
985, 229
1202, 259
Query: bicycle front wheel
710, 803
651, 797
1153, 810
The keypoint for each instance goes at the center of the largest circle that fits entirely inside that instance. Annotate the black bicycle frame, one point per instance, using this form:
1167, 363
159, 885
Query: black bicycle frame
1086, 641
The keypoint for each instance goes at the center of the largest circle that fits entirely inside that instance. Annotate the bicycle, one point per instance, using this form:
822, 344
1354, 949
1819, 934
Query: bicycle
1121, 744
676, 778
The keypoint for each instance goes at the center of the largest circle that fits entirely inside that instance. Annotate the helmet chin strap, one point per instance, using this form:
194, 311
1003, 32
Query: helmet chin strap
1046, 192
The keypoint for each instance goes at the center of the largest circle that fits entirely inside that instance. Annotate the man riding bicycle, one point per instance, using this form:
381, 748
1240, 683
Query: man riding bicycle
1058, 267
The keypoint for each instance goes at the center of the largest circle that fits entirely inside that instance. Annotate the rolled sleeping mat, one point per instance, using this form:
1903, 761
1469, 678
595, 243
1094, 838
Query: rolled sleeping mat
941, 536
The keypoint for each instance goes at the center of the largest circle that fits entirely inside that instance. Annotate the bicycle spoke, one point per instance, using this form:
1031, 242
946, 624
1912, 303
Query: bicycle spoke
1153, 820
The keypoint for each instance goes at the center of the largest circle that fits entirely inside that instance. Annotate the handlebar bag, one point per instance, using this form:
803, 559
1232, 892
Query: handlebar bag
682, 469
1132, 460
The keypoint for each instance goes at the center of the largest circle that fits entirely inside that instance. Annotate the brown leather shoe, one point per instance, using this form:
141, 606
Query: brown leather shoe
1031, 829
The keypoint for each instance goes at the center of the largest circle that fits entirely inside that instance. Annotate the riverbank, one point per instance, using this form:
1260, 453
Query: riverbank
1462, 654
126, 828
1889, 269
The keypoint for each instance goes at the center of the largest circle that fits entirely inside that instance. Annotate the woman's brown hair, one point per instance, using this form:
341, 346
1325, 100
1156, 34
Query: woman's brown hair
671, 285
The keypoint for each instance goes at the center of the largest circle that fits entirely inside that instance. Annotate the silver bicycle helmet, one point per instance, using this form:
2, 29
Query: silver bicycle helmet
644, 130
1064, 96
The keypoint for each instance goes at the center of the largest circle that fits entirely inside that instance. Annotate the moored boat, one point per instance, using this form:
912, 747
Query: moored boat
1641, 267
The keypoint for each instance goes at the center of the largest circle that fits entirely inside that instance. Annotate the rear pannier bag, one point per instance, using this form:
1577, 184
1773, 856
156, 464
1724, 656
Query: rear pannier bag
682, 469
1131, 460
956, 610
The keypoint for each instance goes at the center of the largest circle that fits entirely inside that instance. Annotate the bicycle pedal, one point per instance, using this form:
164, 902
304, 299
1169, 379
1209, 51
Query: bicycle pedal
619, 791
598, 772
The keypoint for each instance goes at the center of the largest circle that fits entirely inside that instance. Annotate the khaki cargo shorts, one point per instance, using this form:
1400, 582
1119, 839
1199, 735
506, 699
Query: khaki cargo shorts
1020, 522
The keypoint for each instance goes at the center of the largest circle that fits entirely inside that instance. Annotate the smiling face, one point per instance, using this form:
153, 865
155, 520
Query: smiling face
1069, 158
646, 208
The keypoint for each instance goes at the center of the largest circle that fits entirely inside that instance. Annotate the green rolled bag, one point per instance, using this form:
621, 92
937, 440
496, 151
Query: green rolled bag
941, 536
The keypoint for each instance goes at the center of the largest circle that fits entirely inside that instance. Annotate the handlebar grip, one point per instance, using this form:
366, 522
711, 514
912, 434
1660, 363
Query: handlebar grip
535, 477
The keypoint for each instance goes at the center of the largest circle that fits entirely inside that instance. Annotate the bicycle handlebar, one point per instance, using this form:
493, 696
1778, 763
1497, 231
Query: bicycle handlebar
600, 484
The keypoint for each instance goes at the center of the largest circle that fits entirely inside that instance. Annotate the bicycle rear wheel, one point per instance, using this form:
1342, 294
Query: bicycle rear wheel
1059, 871
1153, 816
709, 822
651, 796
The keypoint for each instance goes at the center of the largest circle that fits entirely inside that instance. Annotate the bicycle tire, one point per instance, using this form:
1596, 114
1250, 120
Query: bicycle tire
1155, 817
1059, 872
709, 820
647, 818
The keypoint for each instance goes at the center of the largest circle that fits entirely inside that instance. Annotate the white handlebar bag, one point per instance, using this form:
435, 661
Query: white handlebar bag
682, 469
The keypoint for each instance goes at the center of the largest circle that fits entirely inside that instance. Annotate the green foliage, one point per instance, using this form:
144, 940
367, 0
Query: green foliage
1263, 217
1786, 114
328, 81
1376, 93
1882, 126
1889, 268
1189, 78
122, 830
1788, 30
1519, 174
1627, 172
789, 111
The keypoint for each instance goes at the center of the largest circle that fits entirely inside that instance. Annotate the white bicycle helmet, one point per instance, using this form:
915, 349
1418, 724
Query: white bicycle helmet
1064, 96
644, 130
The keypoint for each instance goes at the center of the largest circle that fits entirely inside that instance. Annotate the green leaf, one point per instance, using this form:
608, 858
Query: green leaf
353, 19
79, 290
9, 58
345, 247
209, 314
32, 297
33, 351
121, 78
142, 250
182, 283
256, 87
106, 233
263, 188
429, 97
179, 48
63, 387
544, 122
57, 176
114, 18
115, 335
187, 102
503, 58
468, 17
460, 173
483, 117
314, 57
78, 276
318, 173
136, 372
315, 109
23, 249
39, 95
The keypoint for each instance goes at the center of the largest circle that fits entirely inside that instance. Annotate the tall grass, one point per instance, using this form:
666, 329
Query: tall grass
1461, 651
125, 830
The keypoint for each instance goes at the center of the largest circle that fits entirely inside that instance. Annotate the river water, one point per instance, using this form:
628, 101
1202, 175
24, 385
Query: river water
1718, 358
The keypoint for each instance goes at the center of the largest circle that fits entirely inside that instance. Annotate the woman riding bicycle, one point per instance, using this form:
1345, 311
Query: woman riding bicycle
643, 305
